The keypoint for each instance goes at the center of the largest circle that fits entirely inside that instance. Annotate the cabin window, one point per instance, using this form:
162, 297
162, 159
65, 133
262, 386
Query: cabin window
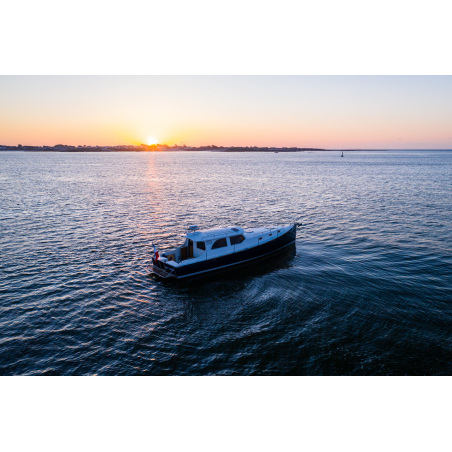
201, 246
220, 243
236, 239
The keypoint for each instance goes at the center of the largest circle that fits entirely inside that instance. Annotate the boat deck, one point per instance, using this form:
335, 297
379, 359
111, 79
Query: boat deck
162, 273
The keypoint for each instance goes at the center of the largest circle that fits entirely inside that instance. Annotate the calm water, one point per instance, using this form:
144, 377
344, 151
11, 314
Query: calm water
367, 290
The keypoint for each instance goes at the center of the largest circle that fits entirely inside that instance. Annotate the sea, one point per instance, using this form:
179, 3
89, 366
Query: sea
366, 290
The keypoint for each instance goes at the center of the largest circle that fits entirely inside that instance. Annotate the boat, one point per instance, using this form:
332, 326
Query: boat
208, 250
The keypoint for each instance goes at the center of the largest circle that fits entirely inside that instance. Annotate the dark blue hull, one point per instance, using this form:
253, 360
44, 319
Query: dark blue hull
231, 259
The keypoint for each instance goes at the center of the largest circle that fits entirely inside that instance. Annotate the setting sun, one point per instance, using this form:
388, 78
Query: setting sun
152, 141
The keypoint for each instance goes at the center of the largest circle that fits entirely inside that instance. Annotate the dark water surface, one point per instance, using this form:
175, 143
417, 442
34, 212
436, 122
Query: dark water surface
367, 290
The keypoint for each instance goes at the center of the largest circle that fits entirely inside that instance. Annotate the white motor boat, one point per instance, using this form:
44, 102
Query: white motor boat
213, 249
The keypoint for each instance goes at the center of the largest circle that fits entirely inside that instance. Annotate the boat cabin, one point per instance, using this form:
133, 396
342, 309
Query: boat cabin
208, 241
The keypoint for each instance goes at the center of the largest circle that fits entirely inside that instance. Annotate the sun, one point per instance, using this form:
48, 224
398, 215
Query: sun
152, 141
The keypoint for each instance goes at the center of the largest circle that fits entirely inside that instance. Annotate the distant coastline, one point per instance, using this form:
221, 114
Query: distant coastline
166, 148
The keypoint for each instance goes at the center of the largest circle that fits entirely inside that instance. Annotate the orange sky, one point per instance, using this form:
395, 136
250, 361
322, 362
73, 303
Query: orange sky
305, 111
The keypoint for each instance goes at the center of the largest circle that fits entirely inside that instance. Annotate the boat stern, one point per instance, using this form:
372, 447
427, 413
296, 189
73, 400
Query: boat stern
163, 270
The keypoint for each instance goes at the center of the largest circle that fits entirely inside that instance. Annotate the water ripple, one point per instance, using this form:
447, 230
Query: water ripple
367, 290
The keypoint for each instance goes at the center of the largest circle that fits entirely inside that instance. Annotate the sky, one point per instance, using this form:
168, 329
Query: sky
332, 112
